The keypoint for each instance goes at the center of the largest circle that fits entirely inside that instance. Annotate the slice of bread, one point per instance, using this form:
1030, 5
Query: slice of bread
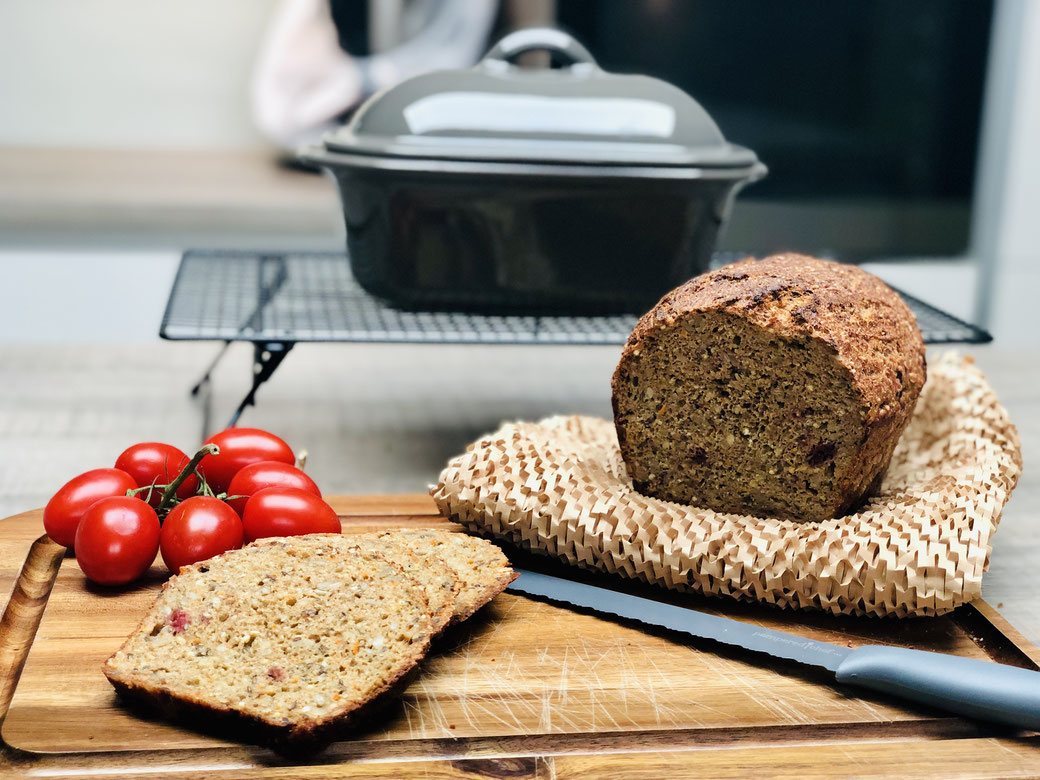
481, 569
437, 579
287, 639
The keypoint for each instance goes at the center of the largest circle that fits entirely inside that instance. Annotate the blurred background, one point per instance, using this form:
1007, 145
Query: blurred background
899, 135
891, 132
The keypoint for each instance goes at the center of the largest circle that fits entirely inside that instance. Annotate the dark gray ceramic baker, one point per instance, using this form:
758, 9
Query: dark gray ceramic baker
514, 190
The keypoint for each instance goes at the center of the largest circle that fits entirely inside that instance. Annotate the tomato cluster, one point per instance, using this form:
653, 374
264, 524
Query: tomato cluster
242, 485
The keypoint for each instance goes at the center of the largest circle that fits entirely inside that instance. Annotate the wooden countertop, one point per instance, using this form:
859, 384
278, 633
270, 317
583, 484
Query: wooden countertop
189, 197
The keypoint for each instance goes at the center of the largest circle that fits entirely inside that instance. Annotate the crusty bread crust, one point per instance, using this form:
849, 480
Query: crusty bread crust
871, 331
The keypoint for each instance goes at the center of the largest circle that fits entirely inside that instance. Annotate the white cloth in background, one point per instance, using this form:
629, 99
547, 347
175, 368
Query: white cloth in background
304, 80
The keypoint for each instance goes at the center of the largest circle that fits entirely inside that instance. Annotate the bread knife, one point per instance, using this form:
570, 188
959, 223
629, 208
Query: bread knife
977, 689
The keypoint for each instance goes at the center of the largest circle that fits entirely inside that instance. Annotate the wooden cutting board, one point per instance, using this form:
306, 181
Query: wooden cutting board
524, 689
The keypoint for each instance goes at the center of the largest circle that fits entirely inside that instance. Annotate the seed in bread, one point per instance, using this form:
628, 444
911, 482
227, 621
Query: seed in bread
287, 639
481, 569
776, 387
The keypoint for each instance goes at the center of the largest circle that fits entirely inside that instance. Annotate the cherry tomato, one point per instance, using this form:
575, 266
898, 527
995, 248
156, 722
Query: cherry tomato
117, 539
265, 474
65, 509
153, 462
239, 447
281, 511
197, 529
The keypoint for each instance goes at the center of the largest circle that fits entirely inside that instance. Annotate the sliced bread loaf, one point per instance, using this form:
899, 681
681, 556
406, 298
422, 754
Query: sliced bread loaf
286, 638
438, 580
776, 388
481, 569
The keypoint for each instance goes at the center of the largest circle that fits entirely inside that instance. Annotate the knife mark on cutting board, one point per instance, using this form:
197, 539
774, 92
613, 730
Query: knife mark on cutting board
533, 668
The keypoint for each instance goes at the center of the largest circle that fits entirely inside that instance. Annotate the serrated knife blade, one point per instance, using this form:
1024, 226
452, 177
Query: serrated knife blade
689, 621
976, 689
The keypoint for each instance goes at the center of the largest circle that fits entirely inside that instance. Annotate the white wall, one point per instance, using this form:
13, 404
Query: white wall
83, 296
128, 73
1006, 233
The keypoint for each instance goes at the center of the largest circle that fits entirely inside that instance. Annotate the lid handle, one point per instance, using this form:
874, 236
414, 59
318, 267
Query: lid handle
539, 39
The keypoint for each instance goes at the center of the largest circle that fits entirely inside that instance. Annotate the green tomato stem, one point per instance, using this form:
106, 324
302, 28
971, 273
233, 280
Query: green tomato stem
169, 495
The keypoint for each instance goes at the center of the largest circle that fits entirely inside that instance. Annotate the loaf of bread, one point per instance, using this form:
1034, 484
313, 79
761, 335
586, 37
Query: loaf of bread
776, 388
287, 640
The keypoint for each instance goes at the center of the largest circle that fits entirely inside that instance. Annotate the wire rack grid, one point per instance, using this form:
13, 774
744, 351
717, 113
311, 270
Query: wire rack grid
307, 297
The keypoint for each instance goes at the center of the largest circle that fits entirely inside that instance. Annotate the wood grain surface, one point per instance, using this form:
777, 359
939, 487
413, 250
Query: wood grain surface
524, 689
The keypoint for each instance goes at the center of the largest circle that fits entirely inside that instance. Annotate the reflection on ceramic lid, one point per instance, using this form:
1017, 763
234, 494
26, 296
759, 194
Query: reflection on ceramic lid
489, 112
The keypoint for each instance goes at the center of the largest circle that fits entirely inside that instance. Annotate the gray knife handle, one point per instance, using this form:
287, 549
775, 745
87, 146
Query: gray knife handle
977, 689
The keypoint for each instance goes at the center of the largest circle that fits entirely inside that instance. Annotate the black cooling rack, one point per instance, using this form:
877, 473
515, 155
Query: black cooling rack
276, 300
298, 297
314, 297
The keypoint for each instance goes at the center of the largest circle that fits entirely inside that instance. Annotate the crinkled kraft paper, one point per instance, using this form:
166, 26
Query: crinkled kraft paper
920, 547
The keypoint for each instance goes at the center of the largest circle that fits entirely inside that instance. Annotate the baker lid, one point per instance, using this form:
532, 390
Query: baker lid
577, 114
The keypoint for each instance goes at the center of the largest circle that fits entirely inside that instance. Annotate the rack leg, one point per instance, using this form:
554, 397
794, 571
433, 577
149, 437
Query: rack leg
267, 356
202, 392
204, 379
